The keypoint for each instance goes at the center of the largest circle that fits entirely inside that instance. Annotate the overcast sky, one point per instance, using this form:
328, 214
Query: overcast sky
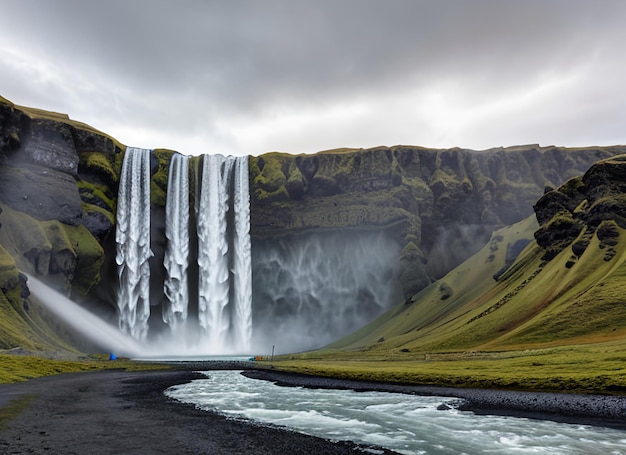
249, 77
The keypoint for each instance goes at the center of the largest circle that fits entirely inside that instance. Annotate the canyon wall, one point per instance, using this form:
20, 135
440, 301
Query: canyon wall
428, 209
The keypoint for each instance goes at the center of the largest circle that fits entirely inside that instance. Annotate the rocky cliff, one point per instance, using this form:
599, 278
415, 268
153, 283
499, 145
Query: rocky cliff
440, 205
565, 288
59, 179
58, 185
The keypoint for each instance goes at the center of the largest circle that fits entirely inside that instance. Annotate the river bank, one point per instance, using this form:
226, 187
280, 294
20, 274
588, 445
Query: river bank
111, 412
600, 410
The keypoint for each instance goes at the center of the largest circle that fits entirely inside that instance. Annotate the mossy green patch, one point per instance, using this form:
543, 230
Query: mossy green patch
90, 208
17, 368
584, 368
48, 247
8, 269
14, 408
89, 258
98, 162
14, 330
97, 194
270, 180
158, 182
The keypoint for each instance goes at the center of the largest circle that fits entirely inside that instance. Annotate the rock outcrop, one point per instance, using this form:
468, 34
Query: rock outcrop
588, 205
441, 205
58, 185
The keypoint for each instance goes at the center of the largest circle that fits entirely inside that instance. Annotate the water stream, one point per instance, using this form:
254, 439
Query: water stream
407, 424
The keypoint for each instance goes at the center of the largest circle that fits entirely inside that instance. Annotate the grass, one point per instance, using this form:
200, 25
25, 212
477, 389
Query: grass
557, 325
16, 368
590, 368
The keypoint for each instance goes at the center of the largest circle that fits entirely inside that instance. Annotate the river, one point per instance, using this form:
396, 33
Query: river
407, 424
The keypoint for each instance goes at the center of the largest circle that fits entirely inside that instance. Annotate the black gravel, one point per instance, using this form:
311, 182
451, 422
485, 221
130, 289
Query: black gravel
116, 412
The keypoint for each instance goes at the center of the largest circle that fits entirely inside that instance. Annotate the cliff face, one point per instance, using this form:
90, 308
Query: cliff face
434, 208
58, 186
564, 288
440, 205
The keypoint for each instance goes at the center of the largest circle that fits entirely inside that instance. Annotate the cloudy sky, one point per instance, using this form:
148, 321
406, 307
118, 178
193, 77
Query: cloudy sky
299, 76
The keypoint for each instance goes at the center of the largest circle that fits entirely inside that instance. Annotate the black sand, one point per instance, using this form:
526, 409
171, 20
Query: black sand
116, 412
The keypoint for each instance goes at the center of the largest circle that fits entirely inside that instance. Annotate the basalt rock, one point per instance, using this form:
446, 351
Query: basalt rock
44, 193
593, 204
59, 179
440, 205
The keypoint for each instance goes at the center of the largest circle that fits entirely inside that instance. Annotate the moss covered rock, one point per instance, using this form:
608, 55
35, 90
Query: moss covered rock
417, 193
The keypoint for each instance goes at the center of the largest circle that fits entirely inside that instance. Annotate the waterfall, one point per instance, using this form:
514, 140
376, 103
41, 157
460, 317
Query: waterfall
133, 243
222, 321
214, 287
176, 259
242, 259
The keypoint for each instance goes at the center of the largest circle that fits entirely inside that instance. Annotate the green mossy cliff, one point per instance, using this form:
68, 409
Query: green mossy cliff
441, 205
59, 181
565, 288
58, 191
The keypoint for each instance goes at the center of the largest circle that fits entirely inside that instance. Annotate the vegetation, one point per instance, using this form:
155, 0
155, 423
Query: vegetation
17, 368
596, 367
557, 324
158, 182
98, 162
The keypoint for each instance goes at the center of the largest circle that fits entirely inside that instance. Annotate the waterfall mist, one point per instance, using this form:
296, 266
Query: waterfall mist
87, 324
311, 289
223, 295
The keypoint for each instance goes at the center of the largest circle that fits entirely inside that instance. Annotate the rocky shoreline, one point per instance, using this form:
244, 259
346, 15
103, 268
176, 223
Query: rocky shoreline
598, 410
110, 412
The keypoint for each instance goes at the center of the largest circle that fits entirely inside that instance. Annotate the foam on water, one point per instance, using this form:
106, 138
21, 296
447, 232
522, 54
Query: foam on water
404, 423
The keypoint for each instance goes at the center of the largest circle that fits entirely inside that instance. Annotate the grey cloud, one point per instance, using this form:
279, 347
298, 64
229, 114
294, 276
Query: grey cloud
248, 58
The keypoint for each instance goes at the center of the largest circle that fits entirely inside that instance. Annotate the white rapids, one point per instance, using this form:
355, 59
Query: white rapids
407, 424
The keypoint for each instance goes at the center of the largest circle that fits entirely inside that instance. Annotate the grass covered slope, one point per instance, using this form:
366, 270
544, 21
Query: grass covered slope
555, 318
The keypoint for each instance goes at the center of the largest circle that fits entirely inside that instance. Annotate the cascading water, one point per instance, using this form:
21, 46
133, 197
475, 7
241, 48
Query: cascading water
133, 243
242, 257
309, 289
214, 287
176, 259
222, 320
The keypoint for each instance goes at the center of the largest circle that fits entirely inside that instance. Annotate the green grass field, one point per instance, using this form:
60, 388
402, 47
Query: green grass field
17, 368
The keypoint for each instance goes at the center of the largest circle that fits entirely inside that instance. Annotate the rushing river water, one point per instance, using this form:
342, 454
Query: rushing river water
407, 424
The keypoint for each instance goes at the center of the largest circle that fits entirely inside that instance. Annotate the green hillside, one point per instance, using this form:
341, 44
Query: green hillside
555, 318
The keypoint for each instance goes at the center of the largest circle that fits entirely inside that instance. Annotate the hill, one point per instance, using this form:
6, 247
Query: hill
554, 315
